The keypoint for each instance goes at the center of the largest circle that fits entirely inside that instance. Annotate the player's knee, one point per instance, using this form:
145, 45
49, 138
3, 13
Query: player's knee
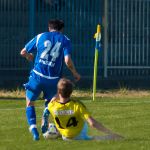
29, 103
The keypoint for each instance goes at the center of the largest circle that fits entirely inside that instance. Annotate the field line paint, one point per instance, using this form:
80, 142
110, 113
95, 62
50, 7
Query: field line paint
129, 102
102, 102
21, 108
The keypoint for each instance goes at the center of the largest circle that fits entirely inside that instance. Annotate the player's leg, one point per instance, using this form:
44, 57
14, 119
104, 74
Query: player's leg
83, 135
32, 93
31, 117
45, 122
49, 90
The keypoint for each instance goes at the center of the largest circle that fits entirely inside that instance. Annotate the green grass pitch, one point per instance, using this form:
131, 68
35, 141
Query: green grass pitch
129, 117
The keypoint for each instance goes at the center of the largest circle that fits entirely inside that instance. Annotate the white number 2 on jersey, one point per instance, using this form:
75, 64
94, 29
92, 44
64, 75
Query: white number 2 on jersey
54, 53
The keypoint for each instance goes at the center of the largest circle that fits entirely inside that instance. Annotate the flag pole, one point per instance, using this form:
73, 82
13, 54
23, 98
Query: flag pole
97, 36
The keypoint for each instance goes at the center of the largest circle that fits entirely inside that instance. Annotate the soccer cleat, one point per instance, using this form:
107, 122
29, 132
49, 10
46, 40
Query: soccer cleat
35, 134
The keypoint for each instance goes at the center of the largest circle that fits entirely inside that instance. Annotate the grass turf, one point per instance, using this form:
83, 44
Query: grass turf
129, 117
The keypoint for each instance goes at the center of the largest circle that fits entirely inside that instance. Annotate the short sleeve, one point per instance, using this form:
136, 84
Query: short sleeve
67, 46
84, 111
31, 45
50, 106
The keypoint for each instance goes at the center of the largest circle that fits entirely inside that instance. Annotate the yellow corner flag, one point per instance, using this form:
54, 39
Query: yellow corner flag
97, 36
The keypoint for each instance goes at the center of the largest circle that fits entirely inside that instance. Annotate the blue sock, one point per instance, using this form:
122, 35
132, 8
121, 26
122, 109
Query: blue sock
31, 116
46, 103
44, 126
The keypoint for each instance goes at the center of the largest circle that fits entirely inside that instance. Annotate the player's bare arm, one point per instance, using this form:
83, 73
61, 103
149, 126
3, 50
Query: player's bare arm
28, 56
70, 65
100, 127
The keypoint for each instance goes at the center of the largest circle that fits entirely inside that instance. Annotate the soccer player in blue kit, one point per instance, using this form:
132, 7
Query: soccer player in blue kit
52, 50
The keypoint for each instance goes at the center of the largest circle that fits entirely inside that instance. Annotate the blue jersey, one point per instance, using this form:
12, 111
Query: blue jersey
50, 48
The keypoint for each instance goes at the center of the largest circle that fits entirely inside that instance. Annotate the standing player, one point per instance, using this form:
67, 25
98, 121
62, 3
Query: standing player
52, 49
70, 116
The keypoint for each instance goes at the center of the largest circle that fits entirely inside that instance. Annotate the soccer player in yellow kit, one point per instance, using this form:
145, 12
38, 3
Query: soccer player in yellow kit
71, 117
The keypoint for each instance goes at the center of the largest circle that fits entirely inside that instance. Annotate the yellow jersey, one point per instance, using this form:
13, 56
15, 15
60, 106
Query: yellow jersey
68, 117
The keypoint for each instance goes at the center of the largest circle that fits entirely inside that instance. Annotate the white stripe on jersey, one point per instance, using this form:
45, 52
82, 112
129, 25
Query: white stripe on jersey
44, 76
37, 40
67, 38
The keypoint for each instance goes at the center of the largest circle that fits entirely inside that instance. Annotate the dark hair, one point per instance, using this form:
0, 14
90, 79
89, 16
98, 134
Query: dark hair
65, 87
56, 24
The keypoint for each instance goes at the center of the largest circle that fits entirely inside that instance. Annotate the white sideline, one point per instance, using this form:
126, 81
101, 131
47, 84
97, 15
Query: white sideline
21, 108
129, 102
123, 102
103, 102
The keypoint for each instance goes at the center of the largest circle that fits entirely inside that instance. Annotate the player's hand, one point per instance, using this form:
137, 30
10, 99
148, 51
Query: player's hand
108, 137
115, 136
30, 57
77, 76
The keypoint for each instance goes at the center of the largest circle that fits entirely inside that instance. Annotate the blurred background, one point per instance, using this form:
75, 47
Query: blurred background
125, 56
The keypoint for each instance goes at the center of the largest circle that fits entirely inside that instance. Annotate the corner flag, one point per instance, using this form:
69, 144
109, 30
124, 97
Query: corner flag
97, 36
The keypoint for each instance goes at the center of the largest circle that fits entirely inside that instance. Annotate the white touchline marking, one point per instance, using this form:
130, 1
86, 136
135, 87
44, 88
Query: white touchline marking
102, 102
21, 108
129, 102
